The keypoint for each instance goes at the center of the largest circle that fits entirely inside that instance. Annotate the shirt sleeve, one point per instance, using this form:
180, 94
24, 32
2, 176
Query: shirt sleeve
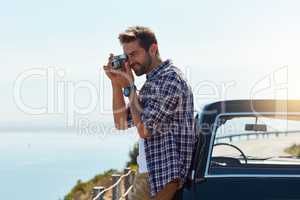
161, 104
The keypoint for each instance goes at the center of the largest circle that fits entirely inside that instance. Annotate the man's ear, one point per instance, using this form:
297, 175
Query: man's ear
153, 49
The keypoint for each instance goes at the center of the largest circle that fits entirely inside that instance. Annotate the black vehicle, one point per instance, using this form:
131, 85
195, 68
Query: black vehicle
246, 149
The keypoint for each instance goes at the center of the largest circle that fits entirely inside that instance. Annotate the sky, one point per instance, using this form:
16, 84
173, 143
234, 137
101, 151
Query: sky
52, 53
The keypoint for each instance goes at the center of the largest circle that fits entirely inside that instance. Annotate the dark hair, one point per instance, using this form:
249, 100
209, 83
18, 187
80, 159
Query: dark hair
144, 35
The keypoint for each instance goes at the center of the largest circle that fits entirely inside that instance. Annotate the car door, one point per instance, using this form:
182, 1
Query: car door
237, 188
213, 188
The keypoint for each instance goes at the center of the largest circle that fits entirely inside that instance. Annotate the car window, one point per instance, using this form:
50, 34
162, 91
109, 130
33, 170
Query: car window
256, 144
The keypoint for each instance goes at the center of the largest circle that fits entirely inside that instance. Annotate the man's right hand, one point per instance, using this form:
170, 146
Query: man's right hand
119, 78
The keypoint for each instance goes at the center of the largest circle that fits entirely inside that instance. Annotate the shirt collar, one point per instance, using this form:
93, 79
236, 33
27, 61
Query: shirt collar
157, 69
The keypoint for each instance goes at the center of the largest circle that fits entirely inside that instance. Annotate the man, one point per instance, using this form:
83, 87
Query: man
162, 112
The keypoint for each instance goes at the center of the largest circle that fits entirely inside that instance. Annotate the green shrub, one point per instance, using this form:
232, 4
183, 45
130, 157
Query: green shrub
293, 150
133, 155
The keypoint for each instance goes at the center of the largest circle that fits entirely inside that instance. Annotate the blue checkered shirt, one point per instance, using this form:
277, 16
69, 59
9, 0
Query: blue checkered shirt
167, 102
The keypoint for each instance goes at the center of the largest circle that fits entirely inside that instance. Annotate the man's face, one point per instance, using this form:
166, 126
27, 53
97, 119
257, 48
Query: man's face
139, 59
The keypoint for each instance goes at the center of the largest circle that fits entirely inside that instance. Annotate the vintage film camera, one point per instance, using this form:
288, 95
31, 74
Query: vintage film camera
118, 61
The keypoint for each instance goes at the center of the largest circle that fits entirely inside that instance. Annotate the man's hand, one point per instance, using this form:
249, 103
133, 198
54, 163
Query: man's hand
119, 78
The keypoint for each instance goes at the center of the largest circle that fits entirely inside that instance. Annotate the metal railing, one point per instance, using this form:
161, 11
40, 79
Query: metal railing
128, 176
257, 134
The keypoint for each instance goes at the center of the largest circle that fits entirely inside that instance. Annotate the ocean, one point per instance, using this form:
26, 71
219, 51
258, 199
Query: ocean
46, 165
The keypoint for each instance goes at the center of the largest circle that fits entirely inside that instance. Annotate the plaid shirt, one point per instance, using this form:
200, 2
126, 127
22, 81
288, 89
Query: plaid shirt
168, 115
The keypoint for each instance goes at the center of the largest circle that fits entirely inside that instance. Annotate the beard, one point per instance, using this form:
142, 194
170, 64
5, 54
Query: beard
143, 68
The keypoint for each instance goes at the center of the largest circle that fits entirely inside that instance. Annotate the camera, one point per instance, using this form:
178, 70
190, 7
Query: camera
118, 61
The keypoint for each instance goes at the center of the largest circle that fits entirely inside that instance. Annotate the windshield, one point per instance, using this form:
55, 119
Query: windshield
258, 139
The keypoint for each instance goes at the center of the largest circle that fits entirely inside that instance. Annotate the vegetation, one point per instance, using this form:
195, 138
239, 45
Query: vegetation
82, 190
293, 150
133, 155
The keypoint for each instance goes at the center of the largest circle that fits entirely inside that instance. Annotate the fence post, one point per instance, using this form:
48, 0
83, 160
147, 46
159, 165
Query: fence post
116, 190
96, 191
131, 179
127, 180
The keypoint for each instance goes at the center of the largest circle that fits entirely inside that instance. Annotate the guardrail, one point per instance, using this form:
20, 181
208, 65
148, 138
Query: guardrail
257, 134
128, 176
